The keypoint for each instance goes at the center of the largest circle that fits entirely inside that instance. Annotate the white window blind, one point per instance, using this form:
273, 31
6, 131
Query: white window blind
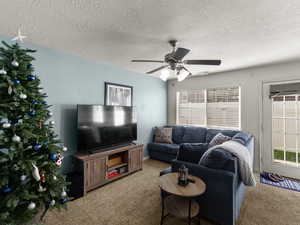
223, 107
216, 107
191, 107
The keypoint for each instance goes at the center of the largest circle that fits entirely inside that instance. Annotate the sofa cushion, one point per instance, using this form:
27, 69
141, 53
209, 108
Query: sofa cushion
194, 135
191, 152
163, 135
163, 147
177, 133
194, 146
213, 132
216, 159
218, 140
242, 137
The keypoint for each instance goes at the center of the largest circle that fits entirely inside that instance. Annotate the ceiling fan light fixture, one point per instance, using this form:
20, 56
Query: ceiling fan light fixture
182, 75
164, 74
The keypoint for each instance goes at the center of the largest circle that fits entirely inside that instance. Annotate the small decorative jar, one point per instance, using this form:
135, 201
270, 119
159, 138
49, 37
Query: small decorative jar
183, 176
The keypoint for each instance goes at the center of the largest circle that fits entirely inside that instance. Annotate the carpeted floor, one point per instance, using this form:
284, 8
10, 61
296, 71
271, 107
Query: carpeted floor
135, 200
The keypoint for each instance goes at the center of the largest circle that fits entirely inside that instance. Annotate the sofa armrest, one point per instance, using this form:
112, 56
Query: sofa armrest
205, 173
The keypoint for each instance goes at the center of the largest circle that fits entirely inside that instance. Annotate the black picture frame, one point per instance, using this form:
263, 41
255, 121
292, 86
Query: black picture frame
109, 99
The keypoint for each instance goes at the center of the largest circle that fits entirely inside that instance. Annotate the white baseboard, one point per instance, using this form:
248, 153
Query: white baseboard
146, 157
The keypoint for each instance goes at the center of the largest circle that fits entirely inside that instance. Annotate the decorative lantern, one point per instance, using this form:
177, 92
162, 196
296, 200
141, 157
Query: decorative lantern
183, 176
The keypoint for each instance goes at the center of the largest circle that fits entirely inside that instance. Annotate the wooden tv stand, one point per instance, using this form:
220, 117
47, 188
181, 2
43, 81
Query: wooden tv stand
104, 167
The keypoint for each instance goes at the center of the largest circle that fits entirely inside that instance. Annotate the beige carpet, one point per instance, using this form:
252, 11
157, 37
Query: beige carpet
135, 200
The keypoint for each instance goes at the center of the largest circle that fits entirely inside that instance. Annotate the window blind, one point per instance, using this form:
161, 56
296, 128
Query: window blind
284, 89
191, 107
216, 107
223, 107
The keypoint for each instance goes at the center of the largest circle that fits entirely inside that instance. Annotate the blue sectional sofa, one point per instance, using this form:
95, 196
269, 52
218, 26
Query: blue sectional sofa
224, 194
183, 134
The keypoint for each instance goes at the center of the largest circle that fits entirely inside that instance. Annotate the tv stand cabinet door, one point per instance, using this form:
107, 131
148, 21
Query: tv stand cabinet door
95, 172
135, 159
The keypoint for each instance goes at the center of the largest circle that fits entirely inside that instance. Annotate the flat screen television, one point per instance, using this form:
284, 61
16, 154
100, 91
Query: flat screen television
101, 127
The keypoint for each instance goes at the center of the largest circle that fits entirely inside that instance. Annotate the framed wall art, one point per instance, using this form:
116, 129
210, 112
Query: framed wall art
118, 94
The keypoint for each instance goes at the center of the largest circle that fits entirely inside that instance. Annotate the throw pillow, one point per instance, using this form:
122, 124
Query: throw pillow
218, 139
216, 159
213, 132
242, 137
163, 135
191, 152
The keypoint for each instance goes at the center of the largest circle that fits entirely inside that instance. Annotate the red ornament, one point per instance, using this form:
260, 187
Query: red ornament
43, 177
59, 160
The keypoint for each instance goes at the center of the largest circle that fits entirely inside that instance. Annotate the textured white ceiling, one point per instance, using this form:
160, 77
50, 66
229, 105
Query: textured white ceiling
242, 33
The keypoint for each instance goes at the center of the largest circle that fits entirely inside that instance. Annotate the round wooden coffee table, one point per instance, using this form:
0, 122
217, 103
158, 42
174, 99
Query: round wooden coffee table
178, 200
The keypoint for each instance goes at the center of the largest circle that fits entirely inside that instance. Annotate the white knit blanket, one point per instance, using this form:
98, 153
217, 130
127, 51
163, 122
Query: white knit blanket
244, 160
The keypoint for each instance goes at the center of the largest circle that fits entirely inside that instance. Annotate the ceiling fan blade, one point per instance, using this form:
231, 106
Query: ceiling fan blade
180, 53
157, 69
145, 60
203, 62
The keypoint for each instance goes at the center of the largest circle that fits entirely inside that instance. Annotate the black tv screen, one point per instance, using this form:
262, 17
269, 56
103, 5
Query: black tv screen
101, 126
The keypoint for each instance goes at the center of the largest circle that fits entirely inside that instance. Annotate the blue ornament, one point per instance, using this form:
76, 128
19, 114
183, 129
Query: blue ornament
44, 102
31, 113
29, 66
53, 156
30, 77
16, 81
7, 190
37, 147
63, 201
34, 102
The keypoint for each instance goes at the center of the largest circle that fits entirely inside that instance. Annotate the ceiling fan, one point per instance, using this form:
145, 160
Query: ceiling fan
173, 62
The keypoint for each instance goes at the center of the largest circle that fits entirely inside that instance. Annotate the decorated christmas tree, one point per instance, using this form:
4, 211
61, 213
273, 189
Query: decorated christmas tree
30, 153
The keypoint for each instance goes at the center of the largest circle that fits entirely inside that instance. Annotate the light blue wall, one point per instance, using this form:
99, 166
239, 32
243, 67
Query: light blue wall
70, 80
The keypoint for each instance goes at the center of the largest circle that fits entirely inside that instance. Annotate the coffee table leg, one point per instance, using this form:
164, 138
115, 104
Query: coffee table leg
190, 206
162, 209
